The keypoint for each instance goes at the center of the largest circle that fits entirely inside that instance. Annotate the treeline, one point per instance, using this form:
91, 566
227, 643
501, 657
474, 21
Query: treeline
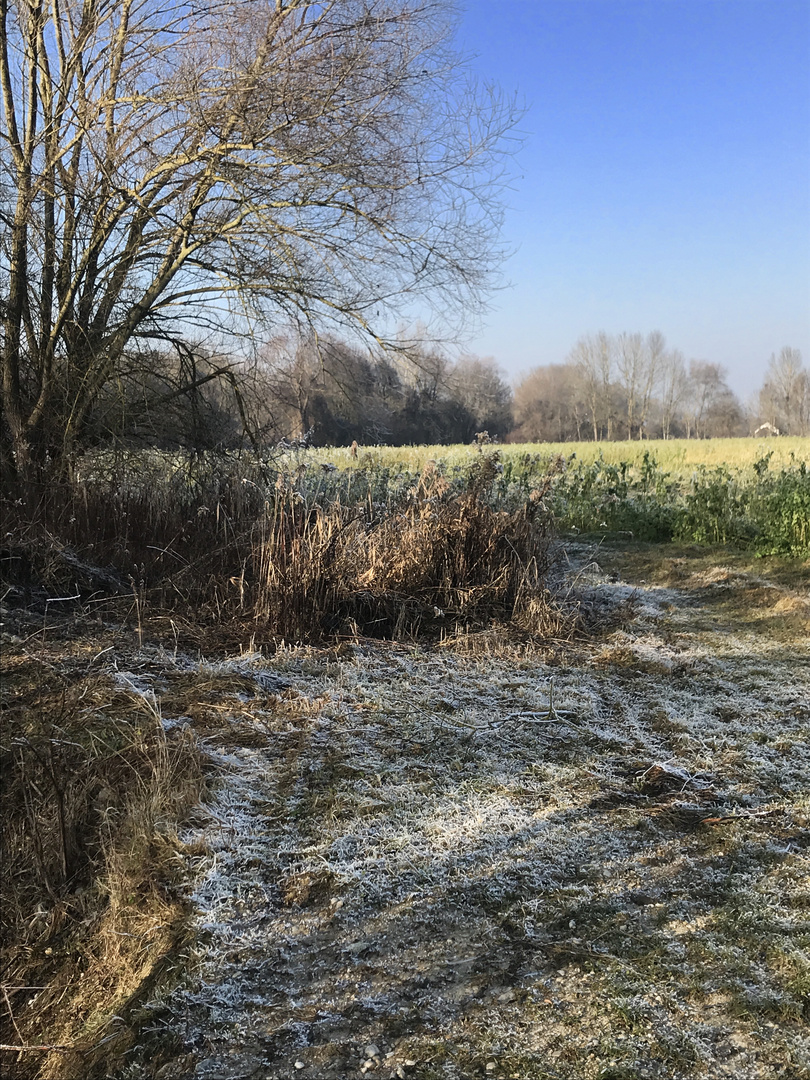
630, 386
328, 389
609, 387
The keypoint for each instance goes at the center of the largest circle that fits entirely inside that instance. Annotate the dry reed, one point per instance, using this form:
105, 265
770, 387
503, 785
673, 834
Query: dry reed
291, 561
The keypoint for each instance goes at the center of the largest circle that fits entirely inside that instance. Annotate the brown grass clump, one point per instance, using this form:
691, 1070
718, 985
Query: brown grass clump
434, 564
291, 562
92, 787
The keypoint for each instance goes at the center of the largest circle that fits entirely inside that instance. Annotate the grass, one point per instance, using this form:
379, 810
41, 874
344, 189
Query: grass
674, 455
407, 811
379, 863
617, 891
93, 787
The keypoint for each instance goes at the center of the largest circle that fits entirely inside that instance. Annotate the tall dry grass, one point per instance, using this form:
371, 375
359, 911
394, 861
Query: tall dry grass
433, 562
92, 789
292, 560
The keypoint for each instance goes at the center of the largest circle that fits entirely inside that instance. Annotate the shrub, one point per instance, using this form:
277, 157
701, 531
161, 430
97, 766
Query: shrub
616, 498
714, 509
781, 510
431, 559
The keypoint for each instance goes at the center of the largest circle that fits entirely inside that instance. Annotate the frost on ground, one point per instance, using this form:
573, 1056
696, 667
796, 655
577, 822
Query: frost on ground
410, 865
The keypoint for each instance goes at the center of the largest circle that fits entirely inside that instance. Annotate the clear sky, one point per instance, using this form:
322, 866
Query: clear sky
664, 180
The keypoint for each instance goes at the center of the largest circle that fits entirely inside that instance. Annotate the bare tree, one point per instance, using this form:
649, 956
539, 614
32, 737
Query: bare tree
421, 363
637, 362
207, 163
593, 356
479, 386
712, 407
582, 359
606, 363
674, 383
654, 357
785, 396
549, 405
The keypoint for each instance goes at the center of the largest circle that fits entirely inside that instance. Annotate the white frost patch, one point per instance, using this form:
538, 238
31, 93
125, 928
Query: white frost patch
426, 859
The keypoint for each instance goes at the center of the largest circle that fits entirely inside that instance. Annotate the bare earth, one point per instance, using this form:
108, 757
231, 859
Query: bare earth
409, 866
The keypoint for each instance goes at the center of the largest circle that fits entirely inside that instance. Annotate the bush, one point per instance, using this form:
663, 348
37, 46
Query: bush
781, 510
714, 509
616, 498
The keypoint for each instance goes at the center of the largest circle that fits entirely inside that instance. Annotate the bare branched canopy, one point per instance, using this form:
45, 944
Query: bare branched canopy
785, 397
214, 162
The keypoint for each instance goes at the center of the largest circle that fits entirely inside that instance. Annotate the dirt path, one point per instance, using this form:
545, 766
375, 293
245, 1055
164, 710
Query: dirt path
411, 867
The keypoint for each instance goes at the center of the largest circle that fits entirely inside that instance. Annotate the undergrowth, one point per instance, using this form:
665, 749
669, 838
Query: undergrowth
758, 509
93, 787
292, 556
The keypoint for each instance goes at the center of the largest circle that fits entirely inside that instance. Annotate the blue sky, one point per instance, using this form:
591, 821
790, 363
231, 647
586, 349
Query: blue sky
664, 178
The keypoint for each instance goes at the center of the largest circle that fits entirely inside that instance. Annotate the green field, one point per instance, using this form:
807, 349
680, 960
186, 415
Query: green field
678, 455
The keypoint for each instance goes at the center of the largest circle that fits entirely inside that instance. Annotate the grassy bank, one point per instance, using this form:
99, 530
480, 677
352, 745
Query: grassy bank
94, 787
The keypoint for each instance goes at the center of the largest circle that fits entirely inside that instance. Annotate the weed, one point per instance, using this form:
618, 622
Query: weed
308, 555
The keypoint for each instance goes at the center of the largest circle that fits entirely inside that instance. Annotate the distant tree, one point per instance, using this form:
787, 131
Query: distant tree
479, 386
346, 403
592, 357
785, 396
655, 358
637, 362
726, 417
422, 363
181, 397
712, 408
324, 384
605, 358
345, 394
631, 385
549, 406
285, 377
673, 385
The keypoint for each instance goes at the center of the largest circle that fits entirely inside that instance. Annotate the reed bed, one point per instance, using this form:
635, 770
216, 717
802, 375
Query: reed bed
298, 554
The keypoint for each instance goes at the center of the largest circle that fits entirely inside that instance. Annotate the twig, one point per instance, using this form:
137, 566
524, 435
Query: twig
553, 716
742, 816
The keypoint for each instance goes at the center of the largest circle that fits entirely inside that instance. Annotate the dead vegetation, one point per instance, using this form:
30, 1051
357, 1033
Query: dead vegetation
240, 558
93, 787
436, 562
